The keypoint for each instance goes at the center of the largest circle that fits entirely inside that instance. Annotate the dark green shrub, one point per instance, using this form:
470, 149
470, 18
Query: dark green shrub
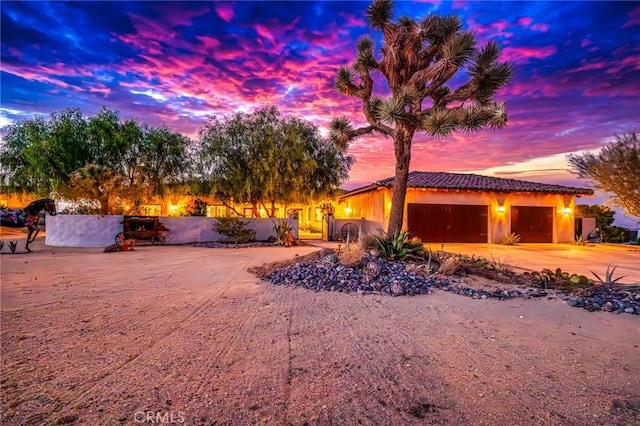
617, 234
233, 229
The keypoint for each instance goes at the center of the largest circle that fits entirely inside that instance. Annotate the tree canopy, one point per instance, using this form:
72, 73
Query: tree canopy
614, 169
98, 158
420, 60
262, 159
604, 215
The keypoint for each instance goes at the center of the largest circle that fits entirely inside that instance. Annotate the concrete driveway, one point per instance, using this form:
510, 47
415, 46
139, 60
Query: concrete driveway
572, 259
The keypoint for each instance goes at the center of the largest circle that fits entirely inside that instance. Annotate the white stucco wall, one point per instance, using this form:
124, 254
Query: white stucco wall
100, 231
75, 230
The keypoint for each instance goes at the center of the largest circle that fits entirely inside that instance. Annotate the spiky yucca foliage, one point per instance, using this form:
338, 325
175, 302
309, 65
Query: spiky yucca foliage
397, 246
418, 59
511, 239
608, 277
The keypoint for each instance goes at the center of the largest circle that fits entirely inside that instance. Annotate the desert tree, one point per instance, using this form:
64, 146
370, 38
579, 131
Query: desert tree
262, 159
419, 61
614, 169
76, 156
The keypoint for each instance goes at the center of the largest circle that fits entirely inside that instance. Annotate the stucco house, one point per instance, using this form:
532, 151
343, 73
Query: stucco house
468, 208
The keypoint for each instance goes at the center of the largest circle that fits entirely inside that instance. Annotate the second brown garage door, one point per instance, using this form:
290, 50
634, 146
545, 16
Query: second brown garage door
533, 224
448, 223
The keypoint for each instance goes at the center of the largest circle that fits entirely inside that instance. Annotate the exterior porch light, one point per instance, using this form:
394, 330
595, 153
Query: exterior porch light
567, 210
501, 209
347, 210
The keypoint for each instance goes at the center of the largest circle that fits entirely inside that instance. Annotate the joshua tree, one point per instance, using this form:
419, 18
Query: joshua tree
418, 59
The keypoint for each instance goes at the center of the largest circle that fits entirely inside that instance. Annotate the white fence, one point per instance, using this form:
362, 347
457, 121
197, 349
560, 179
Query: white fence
100, 231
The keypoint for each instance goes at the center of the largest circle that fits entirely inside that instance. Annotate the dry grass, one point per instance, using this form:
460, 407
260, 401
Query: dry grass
353, 256
449, 265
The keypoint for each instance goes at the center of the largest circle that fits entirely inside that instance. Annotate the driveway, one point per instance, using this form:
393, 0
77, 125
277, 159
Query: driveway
573, 259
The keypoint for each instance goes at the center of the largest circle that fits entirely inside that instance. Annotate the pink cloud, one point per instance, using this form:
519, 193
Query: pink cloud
175, 14
209, 43
522, 55
225, 11
525, 21
585, 42
540, 27
352, 21
634, 18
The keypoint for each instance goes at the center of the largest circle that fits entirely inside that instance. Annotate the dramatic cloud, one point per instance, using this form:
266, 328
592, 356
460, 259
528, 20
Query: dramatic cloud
180, 62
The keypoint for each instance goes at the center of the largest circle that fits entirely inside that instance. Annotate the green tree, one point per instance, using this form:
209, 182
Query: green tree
418, 60
95, 182
38, 155
614, 169
604, 215
262, 158
76, 157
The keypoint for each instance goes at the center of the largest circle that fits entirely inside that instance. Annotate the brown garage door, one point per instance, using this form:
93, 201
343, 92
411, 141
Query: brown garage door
447, 223
533, 224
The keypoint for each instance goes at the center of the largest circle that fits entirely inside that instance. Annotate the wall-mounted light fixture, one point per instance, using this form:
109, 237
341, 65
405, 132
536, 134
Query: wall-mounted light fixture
347, 210
566, 210
501, 209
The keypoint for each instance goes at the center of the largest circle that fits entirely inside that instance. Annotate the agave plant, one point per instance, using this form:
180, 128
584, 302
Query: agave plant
511, 239
608, 277
397, 246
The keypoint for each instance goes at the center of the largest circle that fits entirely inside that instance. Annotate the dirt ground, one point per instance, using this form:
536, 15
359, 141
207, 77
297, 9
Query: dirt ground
186, 335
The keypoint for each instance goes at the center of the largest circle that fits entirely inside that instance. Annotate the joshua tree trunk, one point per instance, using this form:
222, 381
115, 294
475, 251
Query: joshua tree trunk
402, 147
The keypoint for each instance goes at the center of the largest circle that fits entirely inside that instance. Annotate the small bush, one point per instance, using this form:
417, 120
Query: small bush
450, 265
608, 277
511, 239
233, 229
368, 242
352, 256
396, 246
281, 228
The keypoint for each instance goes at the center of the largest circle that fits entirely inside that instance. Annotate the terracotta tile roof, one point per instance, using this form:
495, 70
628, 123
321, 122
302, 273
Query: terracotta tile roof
471, 182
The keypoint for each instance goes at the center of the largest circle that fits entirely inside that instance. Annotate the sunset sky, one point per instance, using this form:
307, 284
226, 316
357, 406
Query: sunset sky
576, 85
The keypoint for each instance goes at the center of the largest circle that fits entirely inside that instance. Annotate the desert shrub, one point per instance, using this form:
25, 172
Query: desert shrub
368, 242
233, 229
511, 239
397, 246
281, 228
608, 276
352, 256
449, 265
617, 234
557, 279
501, 265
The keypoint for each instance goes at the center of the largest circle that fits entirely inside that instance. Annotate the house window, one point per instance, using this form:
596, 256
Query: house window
318, 214
151, 209
216, 210
248, 212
